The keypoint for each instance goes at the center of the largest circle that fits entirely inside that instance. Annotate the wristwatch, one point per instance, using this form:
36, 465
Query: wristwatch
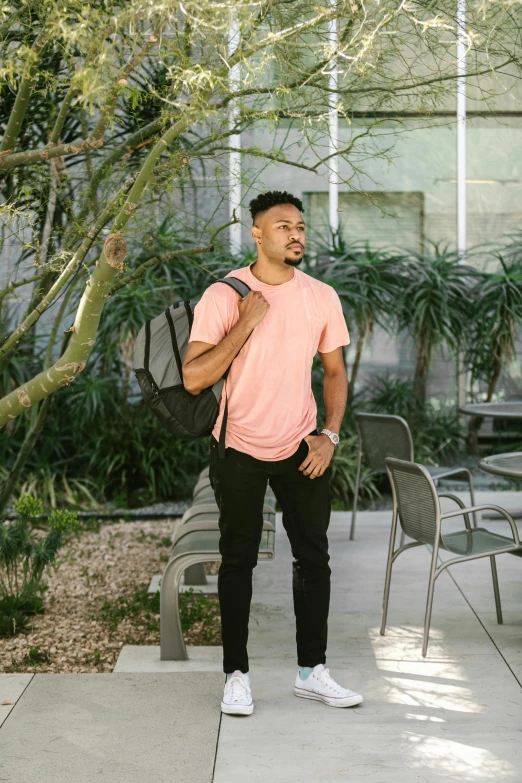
333, 437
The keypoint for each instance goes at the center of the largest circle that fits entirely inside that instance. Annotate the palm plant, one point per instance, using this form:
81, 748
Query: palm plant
434, 306
497, 303
368, 282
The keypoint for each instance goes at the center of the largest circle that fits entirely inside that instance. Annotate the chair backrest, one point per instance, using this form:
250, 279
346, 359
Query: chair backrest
416, 500
381, 436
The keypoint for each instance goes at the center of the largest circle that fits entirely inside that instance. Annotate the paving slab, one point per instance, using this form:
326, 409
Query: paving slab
12, 687
119, 728
146, 658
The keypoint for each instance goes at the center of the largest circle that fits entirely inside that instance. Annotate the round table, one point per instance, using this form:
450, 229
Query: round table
508, 465
501, 410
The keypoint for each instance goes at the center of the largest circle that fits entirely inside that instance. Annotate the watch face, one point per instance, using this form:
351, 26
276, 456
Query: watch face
335, 438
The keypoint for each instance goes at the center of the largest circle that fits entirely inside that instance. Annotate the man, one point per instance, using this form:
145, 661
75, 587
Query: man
271, 337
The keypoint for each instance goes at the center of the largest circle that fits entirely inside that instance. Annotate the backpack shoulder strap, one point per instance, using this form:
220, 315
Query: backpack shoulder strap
238, 285
242, 289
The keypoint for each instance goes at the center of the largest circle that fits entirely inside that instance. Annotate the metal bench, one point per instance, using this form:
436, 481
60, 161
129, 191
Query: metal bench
195, 575
194, 542
193, 545
205, 517
203, 495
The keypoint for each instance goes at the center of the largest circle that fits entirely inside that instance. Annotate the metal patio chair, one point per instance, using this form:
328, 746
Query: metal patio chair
382, 435
416, 505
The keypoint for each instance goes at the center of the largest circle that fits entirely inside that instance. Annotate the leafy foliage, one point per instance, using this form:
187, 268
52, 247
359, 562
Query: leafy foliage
24, 557
116, 451
497, 301
434, 305
370, 284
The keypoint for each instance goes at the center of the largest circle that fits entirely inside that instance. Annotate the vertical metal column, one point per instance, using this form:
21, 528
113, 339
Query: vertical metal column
462, 379
333, 131
461, 129
234, 172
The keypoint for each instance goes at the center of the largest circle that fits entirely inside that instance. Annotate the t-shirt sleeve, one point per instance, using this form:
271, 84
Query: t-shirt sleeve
335, 332
214, 314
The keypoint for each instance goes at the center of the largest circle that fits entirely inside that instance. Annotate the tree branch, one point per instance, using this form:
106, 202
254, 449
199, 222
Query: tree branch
140, 271
95, 140
93, 299
10, 343
62, 115
191, 251
117, 88
38, 415
273, 39
83, 332
424, 83
18, 112
11, 287
126, 148
279, 157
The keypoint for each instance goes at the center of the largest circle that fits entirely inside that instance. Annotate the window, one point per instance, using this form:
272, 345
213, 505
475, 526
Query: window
383, 219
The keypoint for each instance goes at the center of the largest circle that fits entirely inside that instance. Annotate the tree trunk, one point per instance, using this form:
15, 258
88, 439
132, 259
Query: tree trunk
476, 421
356, 363
422, 367
74, 358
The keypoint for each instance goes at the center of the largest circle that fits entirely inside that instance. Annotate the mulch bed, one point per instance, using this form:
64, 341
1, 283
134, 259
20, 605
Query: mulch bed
97, 601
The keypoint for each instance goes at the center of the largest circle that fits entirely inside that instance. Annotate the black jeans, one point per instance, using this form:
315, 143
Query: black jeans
239, 482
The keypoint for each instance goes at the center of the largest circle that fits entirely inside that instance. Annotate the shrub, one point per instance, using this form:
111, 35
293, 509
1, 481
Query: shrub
24, 557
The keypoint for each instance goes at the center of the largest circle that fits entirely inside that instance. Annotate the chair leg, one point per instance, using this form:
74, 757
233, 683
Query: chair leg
387, 580
496, 590
472, 498
429, 602
356, 494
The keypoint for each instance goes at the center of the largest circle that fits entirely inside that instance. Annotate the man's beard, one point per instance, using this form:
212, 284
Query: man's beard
293, 261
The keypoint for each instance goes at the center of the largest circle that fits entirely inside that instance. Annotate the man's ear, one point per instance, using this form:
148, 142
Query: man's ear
256, 233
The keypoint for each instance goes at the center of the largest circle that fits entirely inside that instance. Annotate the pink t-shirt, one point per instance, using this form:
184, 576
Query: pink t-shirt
271, 406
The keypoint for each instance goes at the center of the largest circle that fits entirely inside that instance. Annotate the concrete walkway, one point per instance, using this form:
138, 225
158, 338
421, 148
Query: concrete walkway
456, 715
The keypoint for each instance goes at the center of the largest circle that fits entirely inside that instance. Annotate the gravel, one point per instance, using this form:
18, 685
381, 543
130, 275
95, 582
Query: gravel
94, 566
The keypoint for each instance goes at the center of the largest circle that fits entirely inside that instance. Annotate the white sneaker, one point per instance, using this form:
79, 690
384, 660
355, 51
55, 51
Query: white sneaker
237, 697
321, 686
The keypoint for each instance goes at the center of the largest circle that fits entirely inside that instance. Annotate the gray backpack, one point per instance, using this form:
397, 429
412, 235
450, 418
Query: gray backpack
158, 356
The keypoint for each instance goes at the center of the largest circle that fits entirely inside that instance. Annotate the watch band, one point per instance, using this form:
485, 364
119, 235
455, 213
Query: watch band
332, 435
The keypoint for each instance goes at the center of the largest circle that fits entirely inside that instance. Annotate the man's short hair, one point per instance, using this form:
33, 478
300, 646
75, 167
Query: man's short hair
271, 199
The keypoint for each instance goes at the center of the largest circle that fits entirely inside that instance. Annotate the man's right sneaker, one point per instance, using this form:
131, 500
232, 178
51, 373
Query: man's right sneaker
237, 698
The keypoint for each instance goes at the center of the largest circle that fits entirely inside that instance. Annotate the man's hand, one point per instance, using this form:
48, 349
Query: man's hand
319, 456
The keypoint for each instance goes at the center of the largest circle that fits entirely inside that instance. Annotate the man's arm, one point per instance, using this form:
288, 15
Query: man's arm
204, 364
335, 388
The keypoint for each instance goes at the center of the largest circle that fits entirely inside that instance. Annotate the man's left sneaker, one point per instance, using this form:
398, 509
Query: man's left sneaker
321, 686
